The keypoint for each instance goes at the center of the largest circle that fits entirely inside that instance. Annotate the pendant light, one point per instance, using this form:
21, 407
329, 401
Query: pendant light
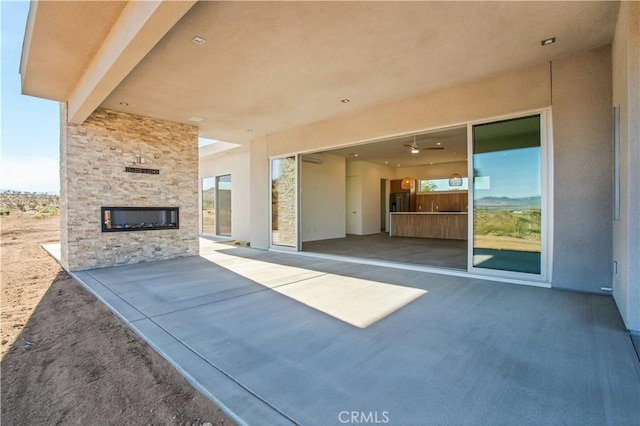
455, 180
407, 183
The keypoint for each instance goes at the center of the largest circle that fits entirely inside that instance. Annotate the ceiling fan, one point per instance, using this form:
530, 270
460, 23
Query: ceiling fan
415, 148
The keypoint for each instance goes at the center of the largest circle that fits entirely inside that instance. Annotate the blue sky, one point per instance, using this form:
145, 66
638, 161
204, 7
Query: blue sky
513, 173
29, 146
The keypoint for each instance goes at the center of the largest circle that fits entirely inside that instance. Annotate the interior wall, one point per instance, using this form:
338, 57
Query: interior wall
367, 198
371, 196
626, 231
235, 162
583, 154
323, 199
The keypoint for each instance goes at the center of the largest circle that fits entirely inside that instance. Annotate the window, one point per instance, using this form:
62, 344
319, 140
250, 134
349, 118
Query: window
440, 185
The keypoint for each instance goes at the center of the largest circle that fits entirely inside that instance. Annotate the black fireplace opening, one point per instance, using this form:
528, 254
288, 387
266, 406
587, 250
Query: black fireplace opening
117, 219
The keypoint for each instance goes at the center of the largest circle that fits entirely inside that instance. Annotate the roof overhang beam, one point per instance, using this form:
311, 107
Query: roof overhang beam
138, 29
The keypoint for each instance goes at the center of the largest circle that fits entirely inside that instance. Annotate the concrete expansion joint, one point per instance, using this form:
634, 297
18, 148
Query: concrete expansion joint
218, 368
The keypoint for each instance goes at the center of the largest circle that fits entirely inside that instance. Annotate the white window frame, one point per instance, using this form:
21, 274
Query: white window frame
546, 171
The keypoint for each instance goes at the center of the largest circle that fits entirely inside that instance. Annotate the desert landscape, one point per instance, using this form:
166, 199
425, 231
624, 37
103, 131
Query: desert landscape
66, 359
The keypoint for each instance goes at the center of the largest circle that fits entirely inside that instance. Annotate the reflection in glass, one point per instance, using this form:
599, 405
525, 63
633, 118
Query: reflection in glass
223, 209
507, 195
208, 206
283, 201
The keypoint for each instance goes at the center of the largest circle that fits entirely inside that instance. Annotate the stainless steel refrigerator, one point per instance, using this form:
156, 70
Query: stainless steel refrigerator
399, 202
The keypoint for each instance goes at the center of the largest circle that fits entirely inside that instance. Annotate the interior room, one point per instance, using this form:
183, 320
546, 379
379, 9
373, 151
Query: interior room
402, 199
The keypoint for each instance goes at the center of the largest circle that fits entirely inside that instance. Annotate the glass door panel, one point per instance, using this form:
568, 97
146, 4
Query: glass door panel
507, 195
284, 202
208, 205
223, 205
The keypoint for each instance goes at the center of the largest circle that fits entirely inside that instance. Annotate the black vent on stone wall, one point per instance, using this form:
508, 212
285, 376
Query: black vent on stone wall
144, 171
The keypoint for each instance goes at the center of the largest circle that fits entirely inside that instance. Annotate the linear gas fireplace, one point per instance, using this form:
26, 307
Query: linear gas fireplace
117, 219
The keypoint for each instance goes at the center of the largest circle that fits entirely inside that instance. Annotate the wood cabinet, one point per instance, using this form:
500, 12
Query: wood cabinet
442, 202
450, 226
396, 187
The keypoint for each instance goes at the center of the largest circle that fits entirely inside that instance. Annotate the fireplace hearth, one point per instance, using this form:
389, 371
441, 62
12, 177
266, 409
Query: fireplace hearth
123, 219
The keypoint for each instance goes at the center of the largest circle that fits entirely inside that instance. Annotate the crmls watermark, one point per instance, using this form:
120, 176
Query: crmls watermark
363, 417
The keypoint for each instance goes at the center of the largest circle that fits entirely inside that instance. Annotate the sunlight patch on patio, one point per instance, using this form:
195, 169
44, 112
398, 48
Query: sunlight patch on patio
356, 301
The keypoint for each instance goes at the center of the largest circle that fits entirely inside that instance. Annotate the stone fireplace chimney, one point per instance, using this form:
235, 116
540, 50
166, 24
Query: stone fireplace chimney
130, 162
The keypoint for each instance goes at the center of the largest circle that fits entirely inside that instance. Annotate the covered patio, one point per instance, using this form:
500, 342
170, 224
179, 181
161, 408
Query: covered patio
269, 338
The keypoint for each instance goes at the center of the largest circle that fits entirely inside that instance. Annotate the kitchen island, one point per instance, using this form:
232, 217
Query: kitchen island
446, 225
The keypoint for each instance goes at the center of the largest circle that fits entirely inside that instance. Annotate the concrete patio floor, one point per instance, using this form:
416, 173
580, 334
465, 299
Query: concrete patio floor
275, 338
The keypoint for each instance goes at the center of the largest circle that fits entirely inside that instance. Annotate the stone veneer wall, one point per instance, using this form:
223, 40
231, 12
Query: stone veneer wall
285, 203
93, 157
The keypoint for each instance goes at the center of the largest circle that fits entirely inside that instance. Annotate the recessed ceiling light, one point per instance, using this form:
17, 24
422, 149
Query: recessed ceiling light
548, 41
386, 162
198, 40
345, 101
196, 119
398, 165
431, 162
124, 104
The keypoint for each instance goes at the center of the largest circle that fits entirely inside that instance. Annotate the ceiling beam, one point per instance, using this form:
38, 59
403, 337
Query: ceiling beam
140, 26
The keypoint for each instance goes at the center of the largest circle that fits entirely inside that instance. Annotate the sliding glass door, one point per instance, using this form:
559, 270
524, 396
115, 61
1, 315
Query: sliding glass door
208, 205
508, 197
223, 205
284, 202
216, 205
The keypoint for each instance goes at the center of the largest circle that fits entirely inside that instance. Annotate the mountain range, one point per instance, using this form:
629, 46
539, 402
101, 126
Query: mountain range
509, 203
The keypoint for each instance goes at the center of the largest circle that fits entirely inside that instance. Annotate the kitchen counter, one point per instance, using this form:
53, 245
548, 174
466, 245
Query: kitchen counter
445, 225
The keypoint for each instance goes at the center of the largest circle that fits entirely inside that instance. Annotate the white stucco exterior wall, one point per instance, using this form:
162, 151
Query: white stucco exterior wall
235, 162
626, 231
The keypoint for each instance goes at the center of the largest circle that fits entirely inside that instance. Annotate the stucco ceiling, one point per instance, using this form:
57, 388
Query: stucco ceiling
267, 66
67, 36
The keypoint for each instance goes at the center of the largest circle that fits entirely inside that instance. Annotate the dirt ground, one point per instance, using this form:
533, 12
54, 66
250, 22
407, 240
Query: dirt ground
66, 359
506, 243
